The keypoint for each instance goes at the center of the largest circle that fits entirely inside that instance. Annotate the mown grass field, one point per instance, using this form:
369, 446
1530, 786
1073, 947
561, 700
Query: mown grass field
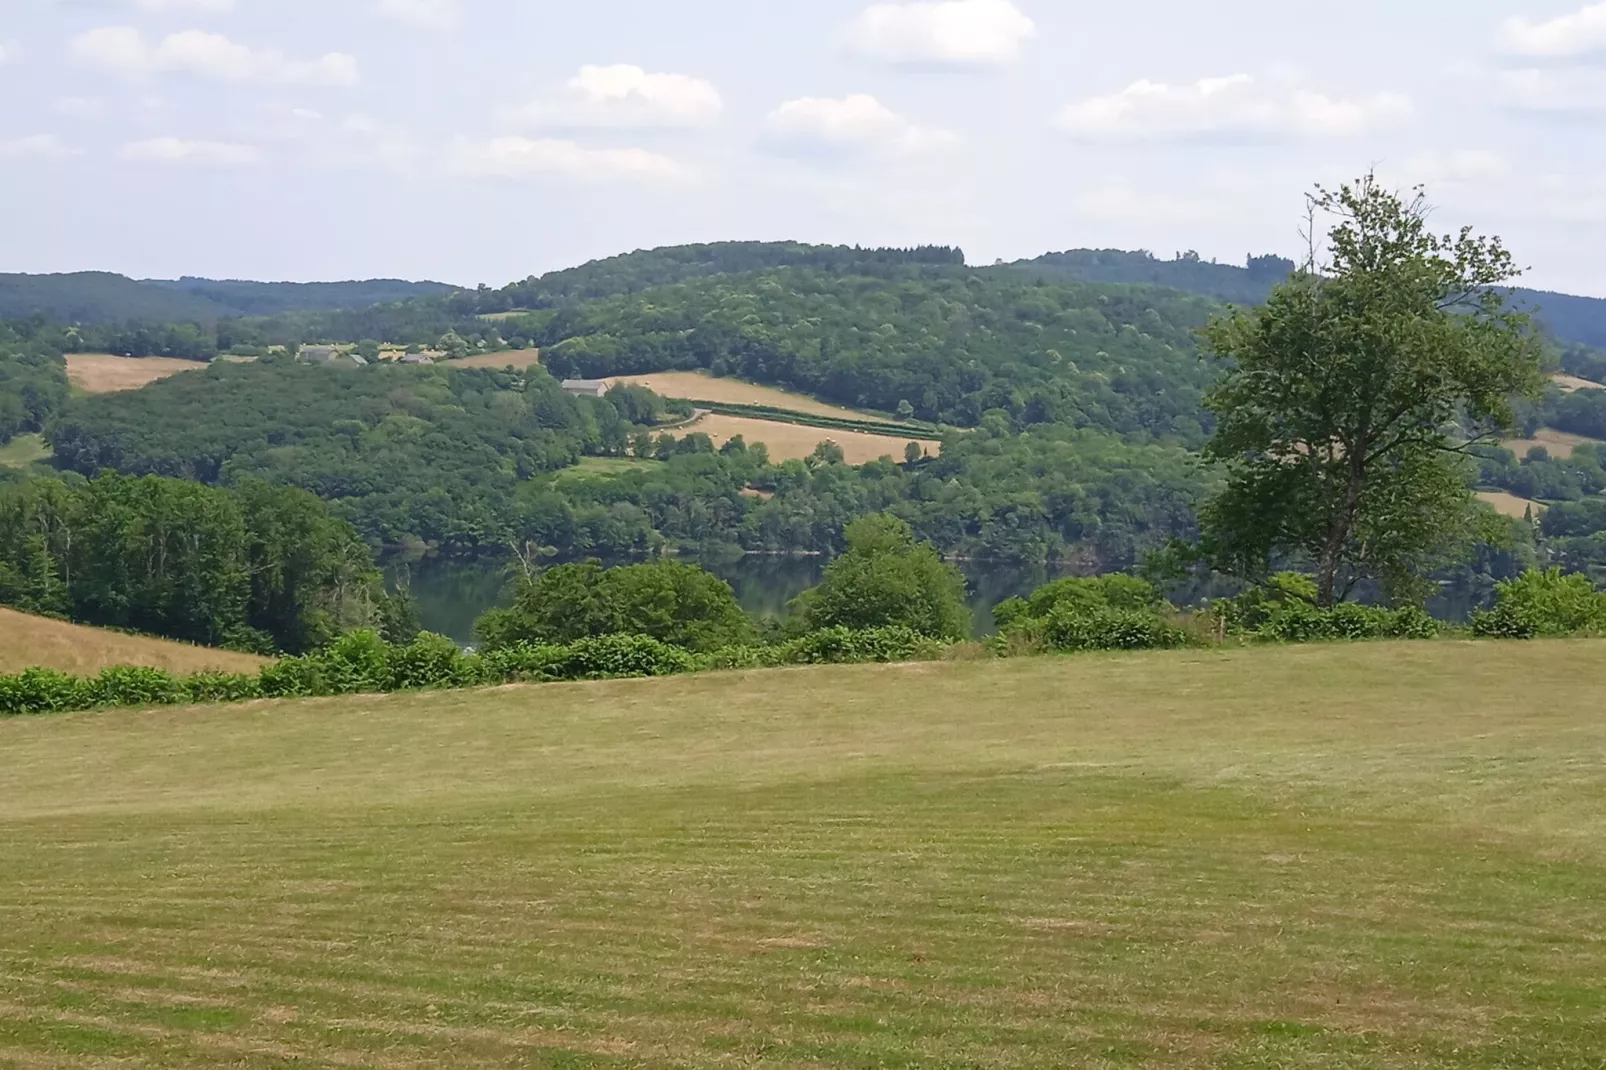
796, 442
103, 373
1559, 444
23, 451
1346, 856
511, 358
27, 641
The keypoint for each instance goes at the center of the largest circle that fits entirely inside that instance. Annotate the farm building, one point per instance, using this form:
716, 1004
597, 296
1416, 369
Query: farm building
590, 388
416, 358
329, 355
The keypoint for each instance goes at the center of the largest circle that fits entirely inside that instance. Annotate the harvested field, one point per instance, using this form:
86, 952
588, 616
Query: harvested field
699, 387
1383, 855
511, 358
27, 641
1509, 504
1571, 384
1561, 444
103, 373
789, 442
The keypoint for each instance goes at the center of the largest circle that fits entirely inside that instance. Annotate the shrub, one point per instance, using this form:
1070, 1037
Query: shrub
431, 661
126, 685
887, 579
222, 687
1299, 622
848, 646
1068, 629
44, 691
1540, 605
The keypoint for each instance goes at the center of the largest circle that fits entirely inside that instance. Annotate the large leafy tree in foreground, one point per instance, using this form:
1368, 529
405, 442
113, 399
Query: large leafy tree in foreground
1350, 395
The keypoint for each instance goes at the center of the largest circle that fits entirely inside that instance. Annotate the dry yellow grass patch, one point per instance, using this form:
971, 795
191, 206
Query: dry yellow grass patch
788, 442
1571, 384
1561, 444
103, 373
27, 641
1507, 504
511, 358
696, 386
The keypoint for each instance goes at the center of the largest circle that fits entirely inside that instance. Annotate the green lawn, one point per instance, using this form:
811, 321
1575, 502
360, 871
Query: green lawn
1345, 856
22, 451
608, 466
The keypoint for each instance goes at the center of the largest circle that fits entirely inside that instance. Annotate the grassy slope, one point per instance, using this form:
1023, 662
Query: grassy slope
1378, 856
27, 641
23, 451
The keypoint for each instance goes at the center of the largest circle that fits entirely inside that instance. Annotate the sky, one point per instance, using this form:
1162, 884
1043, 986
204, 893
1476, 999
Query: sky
486, 141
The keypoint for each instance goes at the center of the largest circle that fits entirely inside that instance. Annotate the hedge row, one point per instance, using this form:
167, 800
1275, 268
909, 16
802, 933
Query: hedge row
363, 663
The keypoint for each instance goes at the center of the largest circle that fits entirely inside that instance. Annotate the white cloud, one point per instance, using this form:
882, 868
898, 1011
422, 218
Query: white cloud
424, 14
207, 153
944, 33
1236, 107
626, 97
523, 158
1581, 33
124, 51
38, 147
8, 52
1457, 167
80, 107
855, 125
205, 7
1572, 89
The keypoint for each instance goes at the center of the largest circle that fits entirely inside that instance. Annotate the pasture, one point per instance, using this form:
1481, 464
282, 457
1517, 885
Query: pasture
1385, 855
1559, 444
1572, 384
790, 442
103, 373
512, 358
23, 451
696, 386
27, 641
1507, 504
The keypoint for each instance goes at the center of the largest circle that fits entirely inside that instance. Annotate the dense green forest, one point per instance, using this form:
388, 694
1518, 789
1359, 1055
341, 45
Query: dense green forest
33, 384
255, 567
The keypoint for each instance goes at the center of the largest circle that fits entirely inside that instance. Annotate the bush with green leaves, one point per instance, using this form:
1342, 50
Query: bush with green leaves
847, 646
217, 687
1095, 613
887, 579
45, 691
1300, 622
128, 685
673, 603
1544, 605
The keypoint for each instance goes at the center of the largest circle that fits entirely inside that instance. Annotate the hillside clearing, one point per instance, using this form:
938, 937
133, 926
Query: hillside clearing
1507, 504
795, 442
103, 373
22, 451
1572, 384
1560, 444
1378, 855
27, 641
509, 358
696, 386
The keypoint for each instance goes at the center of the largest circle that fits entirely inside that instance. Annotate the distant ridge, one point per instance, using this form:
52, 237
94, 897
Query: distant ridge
99, 297
1570, 318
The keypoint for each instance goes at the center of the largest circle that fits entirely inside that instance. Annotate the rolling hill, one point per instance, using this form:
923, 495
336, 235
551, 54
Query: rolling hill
1376, 855
27, 642
98, 297
1570, 318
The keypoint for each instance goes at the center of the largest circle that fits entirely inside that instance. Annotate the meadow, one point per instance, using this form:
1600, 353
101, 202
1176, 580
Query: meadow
27, 641
791, 442
696, 386
1559, 444
1381, 855
23, 451
512, 358
103, 373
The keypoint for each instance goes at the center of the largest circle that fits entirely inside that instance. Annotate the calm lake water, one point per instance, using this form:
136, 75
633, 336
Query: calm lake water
451, 594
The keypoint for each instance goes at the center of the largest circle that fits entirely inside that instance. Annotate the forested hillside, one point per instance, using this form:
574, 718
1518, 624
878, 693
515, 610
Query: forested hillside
1569, 318
466, 460
98, 297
